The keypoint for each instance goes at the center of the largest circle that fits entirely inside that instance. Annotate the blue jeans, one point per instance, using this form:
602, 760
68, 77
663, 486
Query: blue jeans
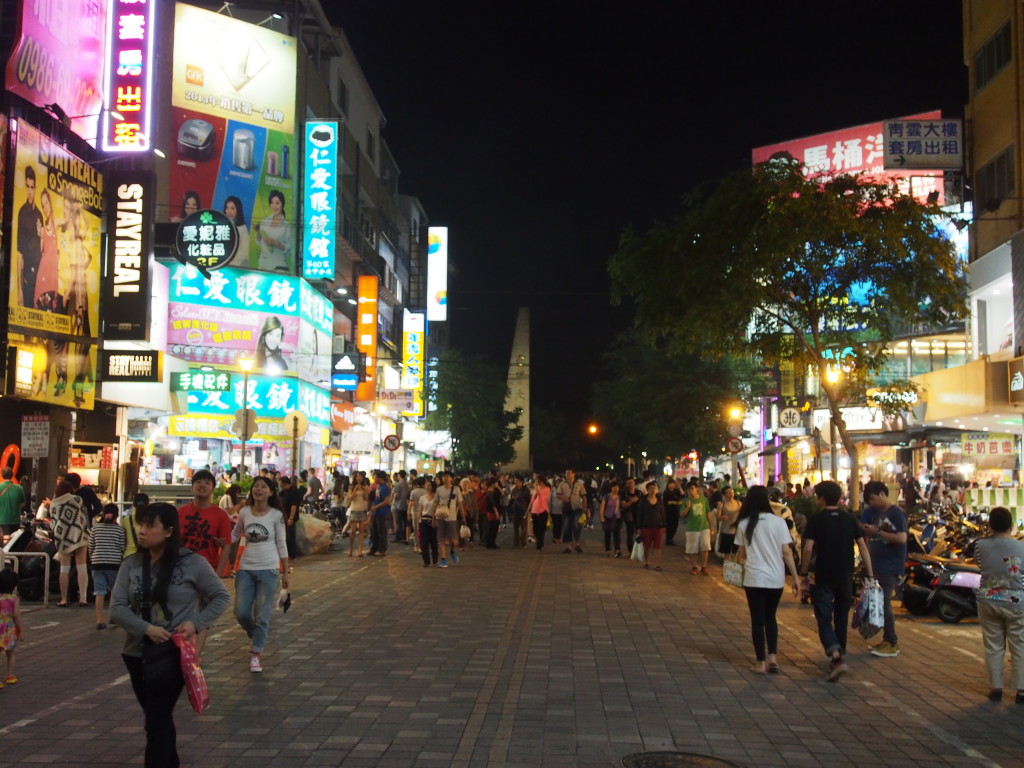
571, 527
254, 600
832, 601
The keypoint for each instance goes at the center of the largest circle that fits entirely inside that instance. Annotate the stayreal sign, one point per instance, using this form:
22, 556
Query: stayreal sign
126, 297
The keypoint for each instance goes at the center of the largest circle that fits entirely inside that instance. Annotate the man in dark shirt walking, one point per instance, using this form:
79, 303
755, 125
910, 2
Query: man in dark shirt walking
830, 535
885, 528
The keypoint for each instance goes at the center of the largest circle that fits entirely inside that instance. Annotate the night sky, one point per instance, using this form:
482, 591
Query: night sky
538, 131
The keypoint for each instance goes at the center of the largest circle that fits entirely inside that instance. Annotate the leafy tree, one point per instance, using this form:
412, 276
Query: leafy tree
791, 269
470, 406
665, 404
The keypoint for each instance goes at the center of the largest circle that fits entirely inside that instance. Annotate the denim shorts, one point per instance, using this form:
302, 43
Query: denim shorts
103, 581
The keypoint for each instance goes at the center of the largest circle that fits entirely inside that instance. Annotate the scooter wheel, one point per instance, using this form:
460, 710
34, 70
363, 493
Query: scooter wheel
949, 614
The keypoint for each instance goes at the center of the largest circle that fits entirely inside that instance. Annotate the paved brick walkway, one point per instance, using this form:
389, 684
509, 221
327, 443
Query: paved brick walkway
517, 660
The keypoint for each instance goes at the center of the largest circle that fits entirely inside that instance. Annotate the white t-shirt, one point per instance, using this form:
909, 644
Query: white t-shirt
265, 543
765, 566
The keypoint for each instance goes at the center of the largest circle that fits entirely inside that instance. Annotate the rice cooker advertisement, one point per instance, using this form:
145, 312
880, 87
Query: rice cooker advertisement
233, 123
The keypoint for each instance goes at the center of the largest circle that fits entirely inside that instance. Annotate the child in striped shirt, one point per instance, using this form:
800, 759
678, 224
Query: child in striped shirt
106, 548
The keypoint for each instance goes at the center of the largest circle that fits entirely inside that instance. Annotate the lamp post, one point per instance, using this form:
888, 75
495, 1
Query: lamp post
245, 363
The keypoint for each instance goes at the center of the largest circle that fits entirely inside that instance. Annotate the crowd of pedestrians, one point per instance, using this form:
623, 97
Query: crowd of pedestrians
162, 566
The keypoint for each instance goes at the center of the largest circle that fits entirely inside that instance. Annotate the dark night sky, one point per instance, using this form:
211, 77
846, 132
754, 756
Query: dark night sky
538, 131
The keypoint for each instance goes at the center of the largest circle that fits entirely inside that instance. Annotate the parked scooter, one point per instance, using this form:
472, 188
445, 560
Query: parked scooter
34, 537
953, 597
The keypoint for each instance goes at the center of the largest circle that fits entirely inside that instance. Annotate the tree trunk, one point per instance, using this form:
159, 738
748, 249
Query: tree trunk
848, 444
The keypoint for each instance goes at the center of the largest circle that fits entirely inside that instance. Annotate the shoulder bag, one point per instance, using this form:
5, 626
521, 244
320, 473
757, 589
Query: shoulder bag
161, 662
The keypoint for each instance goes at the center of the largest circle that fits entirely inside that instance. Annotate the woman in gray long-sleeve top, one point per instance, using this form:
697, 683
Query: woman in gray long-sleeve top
179, 581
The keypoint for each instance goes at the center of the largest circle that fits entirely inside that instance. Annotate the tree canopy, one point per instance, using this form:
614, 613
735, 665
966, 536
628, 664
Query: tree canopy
666, 405
469, 403
787, 268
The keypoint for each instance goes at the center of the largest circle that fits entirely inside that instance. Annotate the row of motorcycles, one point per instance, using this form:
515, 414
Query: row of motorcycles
941, 575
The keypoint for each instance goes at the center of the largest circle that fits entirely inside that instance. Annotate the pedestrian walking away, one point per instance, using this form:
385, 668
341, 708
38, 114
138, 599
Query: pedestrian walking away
830, 536
764, 549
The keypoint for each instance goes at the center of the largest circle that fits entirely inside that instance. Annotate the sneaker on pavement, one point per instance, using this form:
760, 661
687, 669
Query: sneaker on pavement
254, 663
455, 558
704, 572
885, 650
10, 680
836, 669
443, 563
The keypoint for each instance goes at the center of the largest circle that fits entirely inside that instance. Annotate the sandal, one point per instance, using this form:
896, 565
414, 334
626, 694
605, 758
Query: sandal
62, 605
773, 669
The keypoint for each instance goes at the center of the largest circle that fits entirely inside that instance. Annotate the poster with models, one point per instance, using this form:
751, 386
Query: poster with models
53, 295
233, 117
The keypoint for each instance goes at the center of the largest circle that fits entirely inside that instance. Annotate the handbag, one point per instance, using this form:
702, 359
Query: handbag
161, 662
638, 550
195, 680
464, 532
732, 573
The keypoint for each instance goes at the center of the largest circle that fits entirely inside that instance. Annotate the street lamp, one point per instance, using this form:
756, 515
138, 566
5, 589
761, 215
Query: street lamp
245, 363
592, 429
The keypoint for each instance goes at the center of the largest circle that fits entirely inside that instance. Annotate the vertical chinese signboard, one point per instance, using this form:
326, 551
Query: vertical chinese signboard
366, 335
320, 192
414, 357
129, 76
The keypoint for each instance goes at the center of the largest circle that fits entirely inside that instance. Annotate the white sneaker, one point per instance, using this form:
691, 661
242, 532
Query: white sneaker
254, 663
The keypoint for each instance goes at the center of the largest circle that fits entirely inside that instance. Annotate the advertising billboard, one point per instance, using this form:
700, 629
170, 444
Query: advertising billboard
857, 150
437, 274
924, 144
59, 59
414, 357
53, 296
366, 335
320, 195
130, 216
278, 320
129, 66
233, 122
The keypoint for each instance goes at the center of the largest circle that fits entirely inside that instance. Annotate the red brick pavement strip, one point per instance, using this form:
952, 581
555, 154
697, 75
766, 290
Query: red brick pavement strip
515, 659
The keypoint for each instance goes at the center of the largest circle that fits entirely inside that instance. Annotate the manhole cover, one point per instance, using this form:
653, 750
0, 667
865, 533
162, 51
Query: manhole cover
674, 760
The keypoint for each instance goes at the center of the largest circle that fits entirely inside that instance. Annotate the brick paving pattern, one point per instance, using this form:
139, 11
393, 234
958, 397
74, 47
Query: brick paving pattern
515, 659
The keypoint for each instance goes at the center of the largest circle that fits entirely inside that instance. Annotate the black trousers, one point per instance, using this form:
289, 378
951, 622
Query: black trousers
764, 629
492, 533
630, 533
157, 699
615, 532
379, 533
518, 529
556, 527
428, 542
540, 527
671, 524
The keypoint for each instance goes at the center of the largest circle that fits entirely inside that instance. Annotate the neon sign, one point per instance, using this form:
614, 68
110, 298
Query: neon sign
126, 120
320, 193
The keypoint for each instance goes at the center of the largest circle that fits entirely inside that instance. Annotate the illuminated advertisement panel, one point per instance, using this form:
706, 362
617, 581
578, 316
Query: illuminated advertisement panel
437, 274
268, 430
857, 150
126, 298
53, 296
320, 194
59, 59
233, 127
316, 316
269, 397
414, 357
129, 76
366, 335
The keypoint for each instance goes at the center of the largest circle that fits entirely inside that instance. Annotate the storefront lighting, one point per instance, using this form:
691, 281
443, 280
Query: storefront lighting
352, 302
889, 467
343, 291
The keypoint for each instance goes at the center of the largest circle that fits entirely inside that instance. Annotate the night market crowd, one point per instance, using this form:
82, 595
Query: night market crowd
163, 566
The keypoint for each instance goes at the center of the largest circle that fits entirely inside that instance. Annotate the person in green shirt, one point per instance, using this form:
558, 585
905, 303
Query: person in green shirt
12, 500
697, 513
